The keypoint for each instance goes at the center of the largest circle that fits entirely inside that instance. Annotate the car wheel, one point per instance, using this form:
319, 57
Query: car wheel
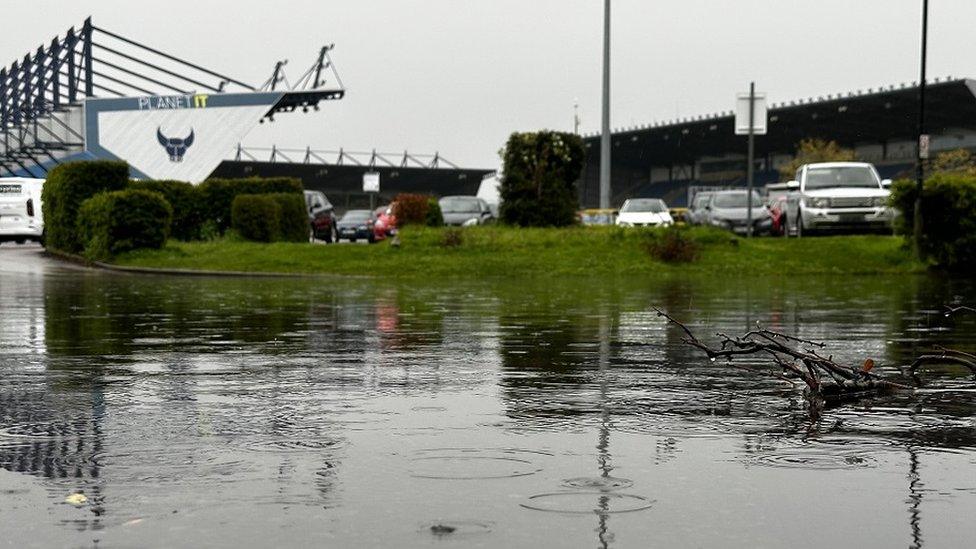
799, 227
331, 235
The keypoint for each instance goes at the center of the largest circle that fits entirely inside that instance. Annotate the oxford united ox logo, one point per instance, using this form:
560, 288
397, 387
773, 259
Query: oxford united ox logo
176, 148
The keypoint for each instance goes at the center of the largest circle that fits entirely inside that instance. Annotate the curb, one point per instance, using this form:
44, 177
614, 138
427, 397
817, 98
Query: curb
79, 260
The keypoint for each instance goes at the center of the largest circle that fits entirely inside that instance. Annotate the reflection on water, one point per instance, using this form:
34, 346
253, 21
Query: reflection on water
555, 414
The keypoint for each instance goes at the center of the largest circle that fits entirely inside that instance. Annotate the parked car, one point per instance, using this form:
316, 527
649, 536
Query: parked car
838, 196
644, 212
321, 216
465, 211
730, 210
21, 218
386, 222
357, 225
697, 212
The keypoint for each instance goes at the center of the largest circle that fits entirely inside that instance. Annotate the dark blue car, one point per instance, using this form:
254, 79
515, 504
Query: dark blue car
357, 225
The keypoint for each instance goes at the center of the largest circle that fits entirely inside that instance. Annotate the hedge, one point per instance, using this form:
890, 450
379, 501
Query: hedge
539, 186
67, 187
188, 206
293, 224
948, 218
114, 222
256, 217
219, 194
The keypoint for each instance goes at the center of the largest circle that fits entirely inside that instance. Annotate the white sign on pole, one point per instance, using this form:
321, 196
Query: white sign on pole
371, 182
924, 143
760, 115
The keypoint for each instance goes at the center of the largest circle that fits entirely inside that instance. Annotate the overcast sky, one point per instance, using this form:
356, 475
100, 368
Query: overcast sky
457, 76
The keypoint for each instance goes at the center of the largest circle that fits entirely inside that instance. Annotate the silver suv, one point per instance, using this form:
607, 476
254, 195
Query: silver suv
838, 196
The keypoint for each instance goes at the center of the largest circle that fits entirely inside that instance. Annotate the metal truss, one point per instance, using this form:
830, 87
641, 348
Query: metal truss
342, 157
36, 93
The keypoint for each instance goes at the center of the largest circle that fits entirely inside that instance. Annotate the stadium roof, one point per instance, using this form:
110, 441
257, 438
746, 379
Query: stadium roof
876, 116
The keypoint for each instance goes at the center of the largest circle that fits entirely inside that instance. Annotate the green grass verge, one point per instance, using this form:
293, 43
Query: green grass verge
510, 252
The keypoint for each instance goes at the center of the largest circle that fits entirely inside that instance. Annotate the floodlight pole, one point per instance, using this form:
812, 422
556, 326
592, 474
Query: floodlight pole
605, 138
917, 224
752, 154
576, 117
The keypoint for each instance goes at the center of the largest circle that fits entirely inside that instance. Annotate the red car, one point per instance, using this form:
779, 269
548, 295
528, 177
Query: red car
386, 222
321, 217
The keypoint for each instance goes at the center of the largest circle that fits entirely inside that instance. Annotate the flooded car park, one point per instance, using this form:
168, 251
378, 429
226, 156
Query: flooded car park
345, 412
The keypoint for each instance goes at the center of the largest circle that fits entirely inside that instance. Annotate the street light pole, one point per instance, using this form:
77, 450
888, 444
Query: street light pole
750, 173
922, 155
605, 138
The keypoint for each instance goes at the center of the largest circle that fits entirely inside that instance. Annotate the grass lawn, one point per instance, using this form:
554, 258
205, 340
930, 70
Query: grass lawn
510, 252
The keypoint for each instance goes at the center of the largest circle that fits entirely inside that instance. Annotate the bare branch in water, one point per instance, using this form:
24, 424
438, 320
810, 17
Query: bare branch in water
825, 378
952, 311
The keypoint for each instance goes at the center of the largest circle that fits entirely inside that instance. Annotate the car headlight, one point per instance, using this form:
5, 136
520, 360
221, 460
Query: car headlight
880, 201
470, 223
819, 203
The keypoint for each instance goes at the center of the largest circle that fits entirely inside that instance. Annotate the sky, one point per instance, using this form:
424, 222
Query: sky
458, 76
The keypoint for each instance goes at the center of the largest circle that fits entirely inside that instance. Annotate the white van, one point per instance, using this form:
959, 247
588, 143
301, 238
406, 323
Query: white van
20, 210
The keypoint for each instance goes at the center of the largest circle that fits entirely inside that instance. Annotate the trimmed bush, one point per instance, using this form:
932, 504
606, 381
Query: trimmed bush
219, 194
293, 225
539, 186
434, 217
412, 209
67, 187
948, 218
188, 206
256, 217
119, 221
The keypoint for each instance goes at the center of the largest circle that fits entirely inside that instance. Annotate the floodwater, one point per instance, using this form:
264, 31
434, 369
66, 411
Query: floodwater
360, 413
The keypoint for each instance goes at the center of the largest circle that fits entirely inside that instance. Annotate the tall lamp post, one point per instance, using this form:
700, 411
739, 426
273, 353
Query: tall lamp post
923, 141
605, 138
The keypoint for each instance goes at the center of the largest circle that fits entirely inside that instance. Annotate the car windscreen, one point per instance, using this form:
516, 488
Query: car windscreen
842, 176
355, 216
460, 205
701, 200
651, 205
734, 200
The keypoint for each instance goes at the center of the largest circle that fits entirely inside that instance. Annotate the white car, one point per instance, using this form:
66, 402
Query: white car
20, 210
838, 196
644, 212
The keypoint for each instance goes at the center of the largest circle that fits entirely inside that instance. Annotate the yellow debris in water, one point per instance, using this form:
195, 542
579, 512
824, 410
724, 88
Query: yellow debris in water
76, 499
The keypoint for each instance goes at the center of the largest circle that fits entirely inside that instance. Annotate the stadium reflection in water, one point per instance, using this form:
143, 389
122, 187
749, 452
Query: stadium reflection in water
357, 413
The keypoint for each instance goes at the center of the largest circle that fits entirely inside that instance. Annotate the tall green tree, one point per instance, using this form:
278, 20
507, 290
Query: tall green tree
538, 188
